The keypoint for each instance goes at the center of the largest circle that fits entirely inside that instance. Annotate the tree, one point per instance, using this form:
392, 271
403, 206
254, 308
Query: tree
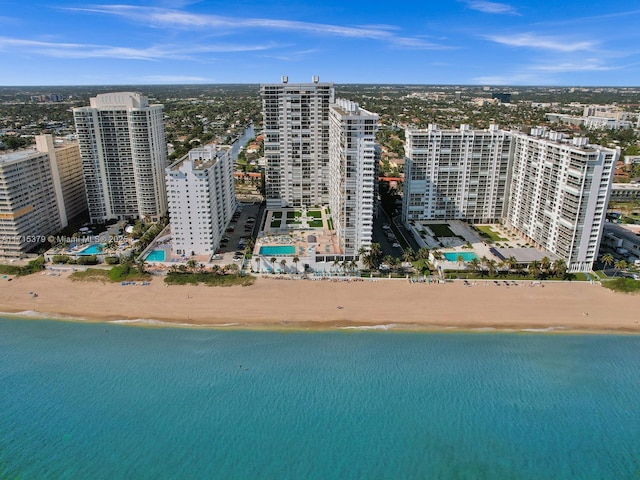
141, 266
619, 265
460, 260
408, 255
511, 262
283, 262
423, 253
273, 262
534, 268
474, 265
257, 260
295, 260
491, 266
545, 264
336, 264
607, 260
192, 264
559, 267
375, 251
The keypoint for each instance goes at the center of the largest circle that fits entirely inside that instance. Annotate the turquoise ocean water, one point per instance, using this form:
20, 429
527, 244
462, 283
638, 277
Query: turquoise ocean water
106, 401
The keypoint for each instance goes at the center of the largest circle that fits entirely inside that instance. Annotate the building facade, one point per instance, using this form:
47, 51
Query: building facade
456, 174
352, 174
201, 199
559, 193
29, 209
124, 155
66, 171
296, 143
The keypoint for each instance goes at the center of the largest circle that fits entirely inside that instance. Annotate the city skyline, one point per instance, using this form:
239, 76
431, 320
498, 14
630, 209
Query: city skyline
467, 42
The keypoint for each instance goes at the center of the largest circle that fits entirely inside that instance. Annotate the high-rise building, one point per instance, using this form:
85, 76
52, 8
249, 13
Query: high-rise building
296, 143
66, 171
456, 174
28, 204
352, 180
201, 198
124, 155
559, 193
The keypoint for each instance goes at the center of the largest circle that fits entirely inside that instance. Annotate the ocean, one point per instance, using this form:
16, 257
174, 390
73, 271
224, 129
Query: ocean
106, 401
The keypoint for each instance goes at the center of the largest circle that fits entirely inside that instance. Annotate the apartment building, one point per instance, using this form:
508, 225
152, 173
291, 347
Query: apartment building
29, 209
66, 171
456, 174
558, 194
124, 155
352, 178
201, 199
296, 143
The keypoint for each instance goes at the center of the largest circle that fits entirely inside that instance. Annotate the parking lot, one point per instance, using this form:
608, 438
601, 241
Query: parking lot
240, 230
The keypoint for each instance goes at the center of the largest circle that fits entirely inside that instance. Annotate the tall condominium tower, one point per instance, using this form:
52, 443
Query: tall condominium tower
124, 155
559, 194
352, 141
456, 174
296, 143
201, 199
66, 171
29, 209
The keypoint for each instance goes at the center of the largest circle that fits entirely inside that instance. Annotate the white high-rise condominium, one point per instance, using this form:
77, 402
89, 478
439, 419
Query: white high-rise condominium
201, 199
296, 142
124, 155
352, 140
66, 171
456, 174
559, 194
28, 202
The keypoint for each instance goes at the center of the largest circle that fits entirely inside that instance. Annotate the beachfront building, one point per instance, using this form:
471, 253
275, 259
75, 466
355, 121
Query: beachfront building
124, 155
201, 199
352, 180
559, 193
66, 171
459, 174
296, 143
29, 209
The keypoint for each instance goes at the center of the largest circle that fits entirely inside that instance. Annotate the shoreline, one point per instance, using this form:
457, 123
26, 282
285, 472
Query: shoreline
300, 305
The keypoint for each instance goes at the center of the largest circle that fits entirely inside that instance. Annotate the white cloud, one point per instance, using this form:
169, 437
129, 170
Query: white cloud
492, 7
530, 40
590, 65
160, 17
77, 50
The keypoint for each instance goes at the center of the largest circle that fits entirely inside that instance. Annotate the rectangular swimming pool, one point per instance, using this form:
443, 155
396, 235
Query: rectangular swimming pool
278, 250
155, 256
453, 256
94, 249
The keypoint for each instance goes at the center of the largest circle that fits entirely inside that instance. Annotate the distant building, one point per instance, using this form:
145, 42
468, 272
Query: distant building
456, 174
559, 193
296, 143
124, 155
502, 97
29, 210
66, 171
352, 174
625, 192
201, 199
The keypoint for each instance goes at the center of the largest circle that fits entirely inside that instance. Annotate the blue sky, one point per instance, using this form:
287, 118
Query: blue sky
546, 42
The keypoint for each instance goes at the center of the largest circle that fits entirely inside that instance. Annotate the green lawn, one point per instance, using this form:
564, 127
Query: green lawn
315, 213
441, 230
487, 232
292, 214
276, 215
315, 223
276, 223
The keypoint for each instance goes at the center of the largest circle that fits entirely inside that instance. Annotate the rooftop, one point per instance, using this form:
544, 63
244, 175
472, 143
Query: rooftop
17, 155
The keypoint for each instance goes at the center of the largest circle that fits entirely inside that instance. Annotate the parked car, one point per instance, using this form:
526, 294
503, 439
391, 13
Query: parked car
396, 245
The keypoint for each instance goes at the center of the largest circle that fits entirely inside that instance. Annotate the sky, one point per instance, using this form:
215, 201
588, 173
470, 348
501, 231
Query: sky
455, 42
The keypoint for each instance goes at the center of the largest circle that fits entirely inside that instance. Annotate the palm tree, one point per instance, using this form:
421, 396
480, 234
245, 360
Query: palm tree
408, 255
375, 251
283, 262
474, 265
192, 264
559, 267
215, 269
231, 268
511, 262
422, 253
369, 261
257, 260
273, 263
491, 266
460, 260
336, 264
295, 260
619, 265
534, 268
545, 264
608, 260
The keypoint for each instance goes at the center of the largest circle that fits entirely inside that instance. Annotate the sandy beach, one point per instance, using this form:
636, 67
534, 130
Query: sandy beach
275, 303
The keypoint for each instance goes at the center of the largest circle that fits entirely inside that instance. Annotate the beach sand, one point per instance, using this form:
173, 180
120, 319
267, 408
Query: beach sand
271, 303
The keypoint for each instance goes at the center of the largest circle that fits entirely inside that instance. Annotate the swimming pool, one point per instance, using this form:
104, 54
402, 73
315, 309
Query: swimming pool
466, 256
278, 250
155, 256
94, 249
